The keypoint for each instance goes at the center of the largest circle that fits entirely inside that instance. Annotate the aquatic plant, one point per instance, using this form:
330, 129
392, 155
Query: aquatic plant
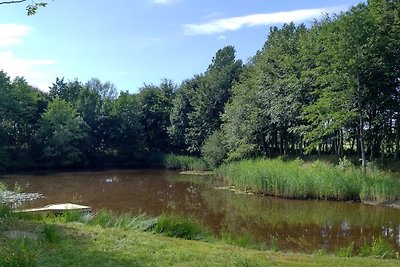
184, 163
244, 241
347, 251
181, 227
317, 180
379, 248
108, 219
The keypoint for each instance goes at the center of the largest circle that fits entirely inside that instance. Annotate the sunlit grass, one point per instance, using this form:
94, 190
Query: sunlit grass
181, 227
107, 239
184, 163
317, 180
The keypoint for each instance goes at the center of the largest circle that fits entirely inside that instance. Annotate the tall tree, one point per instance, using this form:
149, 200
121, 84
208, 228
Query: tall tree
61, 135
156, 104
213, 90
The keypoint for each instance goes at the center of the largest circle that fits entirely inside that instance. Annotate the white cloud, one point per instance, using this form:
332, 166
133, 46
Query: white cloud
33, 70
164, 2
11, 34
222, 37
236, 23
27, 68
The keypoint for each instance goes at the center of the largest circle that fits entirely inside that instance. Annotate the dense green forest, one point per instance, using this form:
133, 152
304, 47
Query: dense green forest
332, 87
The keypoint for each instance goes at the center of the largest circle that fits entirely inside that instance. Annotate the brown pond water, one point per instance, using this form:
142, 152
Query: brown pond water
289, 224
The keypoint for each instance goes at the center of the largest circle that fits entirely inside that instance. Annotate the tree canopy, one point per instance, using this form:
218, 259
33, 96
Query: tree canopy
330, 88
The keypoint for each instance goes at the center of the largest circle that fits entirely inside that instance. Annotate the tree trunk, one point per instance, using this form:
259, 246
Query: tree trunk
397, 149
341, 141
362, 135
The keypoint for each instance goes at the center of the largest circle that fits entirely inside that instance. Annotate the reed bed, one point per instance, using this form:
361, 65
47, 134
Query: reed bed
184, 163
317, 180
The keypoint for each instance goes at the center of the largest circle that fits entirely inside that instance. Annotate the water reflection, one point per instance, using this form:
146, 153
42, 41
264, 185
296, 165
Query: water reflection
293, 224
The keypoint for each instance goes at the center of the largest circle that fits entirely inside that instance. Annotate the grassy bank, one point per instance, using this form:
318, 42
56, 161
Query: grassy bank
184, 163
107, 240
317, 180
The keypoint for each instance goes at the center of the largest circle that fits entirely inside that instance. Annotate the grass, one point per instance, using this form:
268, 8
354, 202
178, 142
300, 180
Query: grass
184, 163
316, 180
181, 227
380, 249
108, 242
19, 252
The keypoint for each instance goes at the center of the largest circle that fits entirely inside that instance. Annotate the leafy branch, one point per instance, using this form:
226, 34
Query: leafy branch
30, 9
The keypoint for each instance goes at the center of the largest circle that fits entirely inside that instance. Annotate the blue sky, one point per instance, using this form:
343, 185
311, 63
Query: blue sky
132, 42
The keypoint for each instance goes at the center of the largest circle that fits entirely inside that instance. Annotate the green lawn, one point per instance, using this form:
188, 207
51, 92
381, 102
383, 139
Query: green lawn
74, 244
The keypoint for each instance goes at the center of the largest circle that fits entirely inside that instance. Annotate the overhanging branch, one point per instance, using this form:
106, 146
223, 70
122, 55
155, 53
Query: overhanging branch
12, 2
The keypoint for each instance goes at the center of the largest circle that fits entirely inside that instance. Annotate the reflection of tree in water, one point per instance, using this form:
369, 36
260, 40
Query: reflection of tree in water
303, 225
295, 224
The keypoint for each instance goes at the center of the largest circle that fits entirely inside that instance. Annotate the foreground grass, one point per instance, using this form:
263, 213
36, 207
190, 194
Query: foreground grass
318, 180
121, 241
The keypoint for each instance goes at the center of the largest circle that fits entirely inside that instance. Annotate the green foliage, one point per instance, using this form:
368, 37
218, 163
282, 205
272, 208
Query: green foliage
244, 241
317, 180
32, 8
107, 219
3, 187
331, 88
5, 210
346, 251
213, 150
51, 234
60, 135
180, 227
210, 93
379, 248
156, 103
20, 252
184, 163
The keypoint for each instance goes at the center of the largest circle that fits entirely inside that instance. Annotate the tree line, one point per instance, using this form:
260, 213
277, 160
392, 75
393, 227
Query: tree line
330, 88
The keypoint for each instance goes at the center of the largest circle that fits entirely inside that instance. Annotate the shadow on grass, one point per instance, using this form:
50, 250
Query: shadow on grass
62, 245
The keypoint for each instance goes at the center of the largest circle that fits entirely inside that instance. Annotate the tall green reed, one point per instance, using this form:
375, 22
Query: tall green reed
317, 180
185, 163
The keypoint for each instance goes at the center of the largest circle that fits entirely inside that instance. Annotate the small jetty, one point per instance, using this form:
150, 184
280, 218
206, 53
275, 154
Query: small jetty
59, 208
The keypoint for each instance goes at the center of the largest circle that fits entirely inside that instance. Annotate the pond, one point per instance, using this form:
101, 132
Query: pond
295, 225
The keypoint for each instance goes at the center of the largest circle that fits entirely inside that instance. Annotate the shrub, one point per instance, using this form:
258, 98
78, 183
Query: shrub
213, 151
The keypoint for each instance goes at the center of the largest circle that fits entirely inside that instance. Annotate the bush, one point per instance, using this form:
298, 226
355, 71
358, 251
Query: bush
213, 150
